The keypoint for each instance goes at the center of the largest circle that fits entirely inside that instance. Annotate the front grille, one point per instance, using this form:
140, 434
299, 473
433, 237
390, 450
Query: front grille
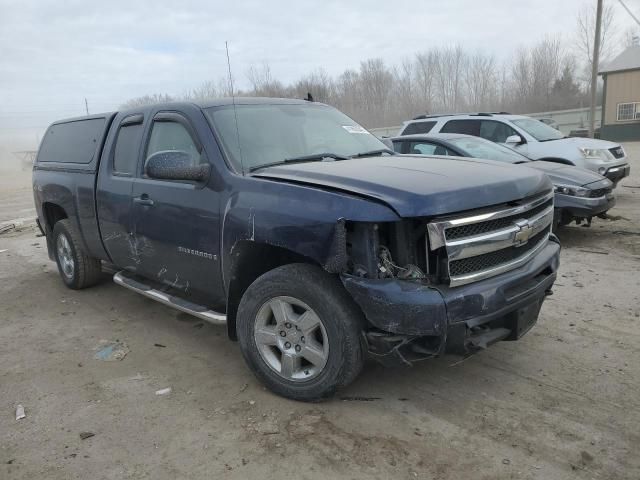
489, 242
600, 192
491, 225
617, 152
470, 265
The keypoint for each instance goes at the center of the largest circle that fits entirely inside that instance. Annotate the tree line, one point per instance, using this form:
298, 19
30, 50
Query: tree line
443, 79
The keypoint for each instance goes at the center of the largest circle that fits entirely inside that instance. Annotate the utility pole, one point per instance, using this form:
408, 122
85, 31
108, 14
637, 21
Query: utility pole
86, 105
594, 70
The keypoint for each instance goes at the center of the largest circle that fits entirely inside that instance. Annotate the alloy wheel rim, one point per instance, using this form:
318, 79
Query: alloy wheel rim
291, 339
65, 257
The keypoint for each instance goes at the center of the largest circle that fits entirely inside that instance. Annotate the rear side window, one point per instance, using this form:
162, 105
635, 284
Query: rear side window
72, 142
125, 155
468, 127
418, 127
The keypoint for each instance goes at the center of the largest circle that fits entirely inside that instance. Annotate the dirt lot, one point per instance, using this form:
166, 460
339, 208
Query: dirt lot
16, 197
562, 403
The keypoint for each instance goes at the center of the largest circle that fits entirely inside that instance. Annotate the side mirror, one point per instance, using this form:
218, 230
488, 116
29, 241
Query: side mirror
175, 165
514, 140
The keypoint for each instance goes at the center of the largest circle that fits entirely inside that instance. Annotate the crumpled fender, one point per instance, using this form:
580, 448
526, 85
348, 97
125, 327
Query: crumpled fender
305, 220
398, 306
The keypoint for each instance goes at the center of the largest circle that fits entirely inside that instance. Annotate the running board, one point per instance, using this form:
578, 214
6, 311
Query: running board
203, 313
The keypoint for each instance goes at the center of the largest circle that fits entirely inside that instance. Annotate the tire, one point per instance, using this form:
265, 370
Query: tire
337, 339
77, 269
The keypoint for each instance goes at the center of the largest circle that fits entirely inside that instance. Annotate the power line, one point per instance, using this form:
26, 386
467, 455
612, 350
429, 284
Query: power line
629, 12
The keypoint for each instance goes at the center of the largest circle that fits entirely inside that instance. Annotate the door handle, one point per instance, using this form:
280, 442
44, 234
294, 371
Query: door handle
143, 200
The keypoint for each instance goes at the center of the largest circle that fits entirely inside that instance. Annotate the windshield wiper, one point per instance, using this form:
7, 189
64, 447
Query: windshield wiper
315, 157
372, 153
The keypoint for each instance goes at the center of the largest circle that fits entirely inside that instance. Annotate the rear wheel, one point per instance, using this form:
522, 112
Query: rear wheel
300, 332
77, 269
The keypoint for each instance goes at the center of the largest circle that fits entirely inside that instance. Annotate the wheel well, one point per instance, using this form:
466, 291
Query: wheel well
52, 214
556, 160
250, 260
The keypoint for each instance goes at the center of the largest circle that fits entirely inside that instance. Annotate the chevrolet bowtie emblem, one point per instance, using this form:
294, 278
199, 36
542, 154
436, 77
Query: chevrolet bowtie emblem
522, 235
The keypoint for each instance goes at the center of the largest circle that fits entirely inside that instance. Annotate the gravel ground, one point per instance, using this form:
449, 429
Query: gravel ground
562, 403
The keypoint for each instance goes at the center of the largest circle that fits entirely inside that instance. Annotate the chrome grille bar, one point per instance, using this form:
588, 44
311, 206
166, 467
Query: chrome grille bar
487, 232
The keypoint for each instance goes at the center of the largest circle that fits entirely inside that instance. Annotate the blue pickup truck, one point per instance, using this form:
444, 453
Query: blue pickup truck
298, 229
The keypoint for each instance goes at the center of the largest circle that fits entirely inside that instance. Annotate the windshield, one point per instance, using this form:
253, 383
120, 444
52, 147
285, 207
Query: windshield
270, 134
479, 148
538, 130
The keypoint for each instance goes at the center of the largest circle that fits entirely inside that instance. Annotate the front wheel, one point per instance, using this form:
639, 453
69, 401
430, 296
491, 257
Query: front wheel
300, 332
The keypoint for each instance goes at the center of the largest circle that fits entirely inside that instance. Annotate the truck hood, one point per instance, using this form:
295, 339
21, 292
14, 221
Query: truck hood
567, 174
414, 186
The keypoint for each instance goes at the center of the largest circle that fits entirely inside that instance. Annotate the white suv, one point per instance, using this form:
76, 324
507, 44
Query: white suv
531, 138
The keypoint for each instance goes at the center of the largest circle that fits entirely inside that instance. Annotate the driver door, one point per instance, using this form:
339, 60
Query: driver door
176, 223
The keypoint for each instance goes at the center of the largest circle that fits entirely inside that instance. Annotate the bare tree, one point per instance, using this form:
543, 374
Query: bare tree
263, 83
318, 84
348, 93
521, 85
146, 100
585, 35
547, 59
204, 91
424, 71
480, 81
376, 82
404, 95
448, 66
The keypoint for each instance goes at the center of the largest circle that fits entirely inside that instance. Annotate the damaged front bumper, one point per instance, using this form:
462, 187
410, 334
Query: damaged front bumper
584, 207
413, 321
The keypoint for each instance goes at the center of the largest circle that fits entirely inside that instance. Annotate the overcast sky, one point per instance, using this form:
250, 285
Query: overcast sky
53, 54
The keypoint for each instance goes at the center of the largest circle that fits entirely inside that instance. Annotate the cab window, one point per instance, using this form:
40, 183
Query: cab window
173, 136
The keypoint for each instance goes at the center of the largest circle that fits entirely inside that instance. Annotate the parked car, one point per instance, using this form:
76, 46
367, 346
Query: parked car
296, 227
579, 194
530, 137
584, 132
550, 121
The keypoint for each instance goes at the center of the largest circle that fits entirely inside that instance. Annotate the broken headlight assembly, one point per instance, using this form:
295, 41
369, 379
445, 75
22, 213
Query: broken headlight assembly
388, 250
571, 190
388, 269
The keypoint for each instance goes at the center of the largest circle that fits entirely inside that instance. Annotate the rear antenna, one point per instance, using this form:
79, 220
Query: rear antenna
233, 101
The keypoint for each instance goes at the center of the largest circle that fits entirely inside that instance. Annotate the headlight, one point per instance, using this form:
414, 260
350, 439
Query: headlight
571, 190
593, 153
